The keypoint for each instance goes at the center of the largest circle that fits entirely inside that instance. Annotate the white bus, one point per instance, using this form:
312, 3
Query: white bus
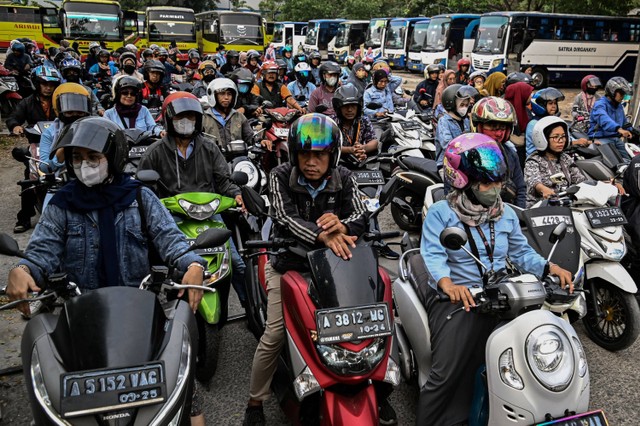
291, 33
418, 39
449, 38
320, 36
397, 40
350, 36
559, 47
375, 36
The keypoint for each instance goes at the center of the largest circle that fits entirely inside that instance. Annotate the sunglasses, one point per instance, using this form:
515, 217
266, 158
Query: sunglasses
128, 93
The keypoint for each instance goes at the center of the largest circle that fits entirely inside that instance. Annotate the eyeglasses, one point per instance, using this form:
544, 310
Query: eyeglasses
128, 93
93, 160
558, 138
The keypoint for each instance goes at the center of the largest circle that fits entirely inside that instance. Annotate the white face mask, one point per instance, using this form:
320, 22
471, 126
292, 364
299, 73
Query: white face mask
332, 81
91, 176
184, 126
462, 111
367, 67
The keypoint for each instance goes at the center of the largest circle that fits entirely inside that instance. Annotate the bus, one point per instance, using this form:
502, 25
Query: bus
418, 39
449, 38
561, 48
241, 31
165, 25
350, 36
86, 21
135, 31
39, 24
268, 35
291, 33
375, 36
320, 35
398, 36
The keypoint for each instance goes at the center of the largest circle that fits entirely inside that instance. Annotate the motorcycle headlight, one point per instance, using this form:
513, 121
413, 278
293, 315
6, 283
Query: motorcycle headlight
305, 384
276, 115
199, 211
40, 391
250, 169
550, 357
344, 362
508, 372
290, 116
613, 250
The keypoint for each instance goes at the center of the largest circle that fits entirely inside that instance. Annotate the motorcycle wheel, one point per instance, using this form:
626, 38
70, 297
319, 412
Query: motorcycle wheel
208, 350
402, 220
7, 106
620, 326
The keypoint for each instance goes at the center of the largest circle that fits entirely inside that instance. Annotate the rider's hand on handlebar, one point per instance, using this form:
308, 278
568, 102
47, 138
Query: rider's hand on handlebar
625, 133
18, 131
565, 276
457, 293
20, 282
545, 191
193, 276
240, 203
339, 243
330, 223
266, 144
381, 114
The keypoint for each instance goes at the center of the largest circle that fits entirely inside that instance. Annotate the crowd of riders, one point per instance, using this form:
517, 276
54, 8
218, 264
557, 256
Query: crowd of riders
190, 100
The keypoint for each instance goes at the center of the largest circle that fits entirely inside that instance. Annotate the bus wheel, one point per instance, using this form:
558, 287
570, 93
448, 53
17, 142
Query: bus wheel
539, 78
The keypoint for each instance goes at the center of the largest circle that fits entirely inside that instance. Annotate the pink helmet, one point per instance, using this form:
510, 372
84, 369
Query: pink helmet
473, 157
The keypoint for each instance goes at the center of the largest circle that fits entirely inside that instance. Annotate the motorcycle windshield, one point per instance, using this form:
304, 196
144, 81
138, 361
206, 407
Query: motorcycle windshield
336, 282
109, 327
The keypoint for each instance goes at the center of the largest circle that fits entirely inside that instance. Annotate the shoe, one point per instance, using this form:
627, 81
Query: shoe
21, 227
386, 413
385, 251
254, 416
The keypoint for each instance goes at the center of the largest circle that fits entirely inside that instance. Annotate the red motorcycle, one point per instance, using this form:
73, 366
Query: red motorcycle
281, 119
339, 326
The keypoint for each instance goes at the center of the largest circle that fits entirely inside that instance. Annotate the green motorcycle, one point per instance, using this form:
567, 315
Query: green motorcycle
193, 213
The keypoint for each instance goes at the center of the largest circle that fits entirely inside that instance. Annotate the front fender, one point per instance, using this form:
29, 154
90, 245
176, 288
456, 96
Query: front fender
612, 272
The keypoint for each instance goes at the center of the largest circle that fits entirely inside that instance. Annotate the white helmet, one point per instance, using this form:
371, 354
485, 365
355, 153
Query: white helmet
131, 48
538, 136
219, 85
302, 66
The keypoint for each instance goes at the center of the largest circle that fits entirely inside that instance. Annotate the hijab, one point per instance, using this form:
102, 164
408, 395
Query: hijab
518, 94
441, 86
493, 83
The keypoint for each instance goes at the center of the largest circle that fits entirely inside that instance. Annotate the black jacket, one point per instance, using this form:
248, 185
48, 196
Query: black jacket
295, 212
29, 110
430, 87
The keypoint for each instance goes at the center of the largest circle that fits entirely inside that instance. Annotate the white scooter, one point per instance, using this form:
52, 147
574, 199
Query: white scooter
536, 367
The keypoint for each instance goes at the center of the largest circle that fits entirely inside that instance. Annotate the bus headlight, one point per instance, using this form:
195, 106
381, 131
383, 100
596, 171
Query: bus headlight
496, 63
550, 357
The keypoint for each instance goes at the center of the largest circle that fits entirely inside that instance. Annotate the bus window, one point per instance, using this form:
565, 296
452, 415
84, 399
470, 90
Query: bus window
300, 29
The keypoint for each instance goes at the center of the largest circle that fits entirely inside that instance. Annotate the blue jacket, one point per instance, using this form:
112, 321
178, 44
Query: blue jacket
144, 120
67, 241
458, 265
95, 69
447, 129
296, 90
372, 94
47, 140
516, 175
606, 118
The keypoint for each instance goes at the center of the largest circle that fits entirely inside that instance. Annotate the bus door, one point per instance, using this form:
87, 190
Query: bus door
50, 26
288, 35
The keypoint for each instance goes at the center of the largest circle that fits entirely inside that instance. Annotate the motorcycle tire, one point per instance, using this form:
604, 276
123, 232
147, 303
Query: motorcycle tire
208, 350
402, 220
620, 326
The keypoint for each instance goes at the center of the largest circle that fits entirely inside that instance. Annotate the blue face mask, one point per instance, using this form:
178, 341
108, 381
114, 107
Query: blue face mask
243, 88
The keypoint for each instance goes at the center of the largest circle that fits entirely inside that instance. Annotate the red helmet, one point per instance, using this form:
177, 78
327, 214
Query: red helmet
463, 61
177, 103
269, 67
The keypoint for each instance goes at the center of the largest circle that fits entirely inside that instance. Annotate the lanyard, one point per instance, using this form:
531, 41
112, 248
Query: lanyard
489, 248
357, 135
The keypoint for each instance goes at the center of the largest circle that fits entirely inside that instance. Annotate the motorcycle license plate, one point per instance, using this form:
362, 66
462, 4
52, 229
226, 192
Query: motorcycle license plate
606, 216
137, 151
208, 251
355, 323
97, 391
592, 418
409, 125
281, 132
368, 177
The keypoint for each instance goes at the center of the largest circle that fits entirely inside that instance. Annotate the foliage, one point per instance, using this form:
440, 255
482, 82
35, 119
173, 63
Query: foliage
196, 5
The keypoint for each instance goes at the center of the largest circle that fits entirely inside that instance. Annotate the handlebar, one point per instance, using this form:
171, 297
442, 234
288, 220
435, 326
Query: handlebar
275, 243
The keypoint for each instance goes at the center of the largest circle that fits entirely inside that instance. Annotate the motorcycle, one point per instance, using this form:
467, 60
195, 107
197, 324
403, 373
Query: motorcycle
138, 141
278, 133
338, 322
79, 367
9, 92
518, 383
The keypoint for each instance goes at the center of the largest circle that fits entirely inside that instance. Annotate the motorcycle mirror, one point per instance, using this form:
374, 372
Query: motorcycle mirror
253, 202
267, 105
45, 168
267, 124
453, 238
9, 246
147, 176
558, 233
212, 237
388, 190
239, 178
20, 154
321, 109
374, 105
572, 190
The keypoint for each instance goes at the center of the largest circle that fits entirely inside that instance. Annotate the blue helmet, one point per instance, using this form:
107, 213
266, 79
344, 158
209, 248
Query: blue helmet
70, 62
42, 74
18, 47
541, 97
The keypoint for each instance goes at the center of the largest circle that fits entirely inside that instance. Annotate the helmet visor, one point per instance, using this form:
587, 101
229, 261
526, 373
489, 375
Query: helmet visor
93, 137
466, 92
550, 94
594, 82
483, 163
182, 105
73, 102
314, 134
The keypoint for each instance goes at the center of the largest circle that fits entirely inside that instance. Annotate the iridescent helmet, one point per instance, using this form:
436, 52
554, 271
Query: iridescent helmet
473, 157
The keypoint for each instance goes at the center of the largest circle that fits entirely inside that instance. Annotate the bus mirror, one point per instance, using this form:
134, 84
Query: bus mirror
501, 32
442, 29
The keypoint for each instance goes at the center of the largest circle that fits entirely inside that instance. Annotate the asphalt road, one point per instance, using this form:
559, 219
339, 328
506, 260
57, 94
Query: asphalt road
614, 376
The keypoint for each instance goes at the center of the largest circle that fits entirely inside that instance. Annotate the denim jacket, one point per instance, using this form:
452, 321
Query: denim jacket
67, 241
383, 97
144, 120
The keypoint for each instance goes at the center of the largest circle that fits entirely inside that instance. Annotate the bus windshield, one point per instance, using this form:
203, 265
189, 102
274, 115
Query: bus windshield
278, 33
394, 38
342, 36
241, 29
437, 35
487, 40
419, 37
312, 33
92, 21
374, 33
171, 25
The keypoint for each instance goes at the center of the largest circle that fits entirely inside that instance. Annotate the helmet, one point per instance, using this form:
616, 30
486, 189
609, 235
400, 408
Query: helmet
473, 157
315, 132
315, 55
126, 82
162, 52
493, 109
155, 66
517, 77
281, 64
221, 85
463, 61
328, 68
18, 47
300, 57
68, 64
381, 64
194, 54
617, 84
233, 54
128, 55
103, 52
287, 48
147, 53
253, 55
41, 74
346, 95
268, 67
540, 133
592, 81
71, 97
430, 69
244, 79
177, 103
131, 48
541, 97
206, 64
302, 70
154, 47
94, 45
97, 134
456, 91
476, 74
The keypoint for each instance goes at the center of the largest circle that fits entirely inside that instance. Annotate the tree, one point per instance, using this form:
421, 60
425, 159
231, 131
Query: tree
238, 4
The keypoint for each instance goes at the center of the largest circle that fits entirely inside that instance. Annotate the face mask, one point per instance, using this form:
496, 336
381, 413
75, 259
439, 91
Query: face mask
462, 111
591, 90
243, 88
332, 81
367, 67
91, 176
208, 78
129, 69
487, 198
184, 126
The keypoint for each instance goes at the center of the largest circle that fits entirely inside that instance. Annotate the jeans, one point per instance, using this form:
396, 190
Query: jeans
619, 143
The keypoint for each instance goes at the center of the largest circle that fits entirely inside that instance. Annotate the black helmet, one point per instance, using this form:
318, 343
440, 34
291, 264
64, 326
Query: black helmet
233, 54
346, 95
253, 55
18, 47
103, 52
52, 52
329, 67
281, 64
244, 79
456, 91
617, 84
147, 53
127, 55
431, 68
127, 82
315, 55
97, 134
517, 77
153, 65
315, 132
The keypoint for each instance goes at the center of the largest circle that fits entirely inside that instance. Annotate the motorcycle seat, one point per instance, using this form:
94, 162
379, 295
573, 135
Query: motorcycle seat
419, 277
421, 165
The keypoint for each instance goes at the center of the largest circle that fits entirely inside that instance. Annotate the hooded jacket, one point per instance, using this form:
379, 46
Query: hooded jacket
361, 85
